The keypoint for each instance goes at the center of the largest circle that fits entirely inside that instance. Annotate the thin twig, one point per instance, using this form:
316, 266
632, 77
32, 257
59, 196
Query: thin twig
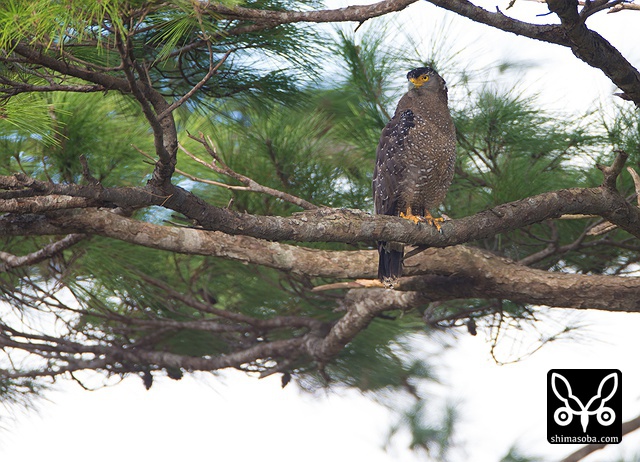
86, 172
218, 166
195, 178
357, 284
213, 183
212, 70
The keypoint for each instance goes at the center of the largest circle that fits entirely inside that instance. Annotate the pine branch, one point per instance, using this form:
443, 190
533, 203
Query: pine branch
357, 13
164, 130
212, 70
361, 307
586, 44
470, 273
35, 54
39, 204
12, 88
10, 261
340, 225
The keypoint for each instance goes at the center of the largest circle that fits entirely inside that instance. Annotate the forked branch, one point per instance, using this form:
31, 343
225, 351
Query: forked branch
10, 261
212, 70
219, 166
611, 173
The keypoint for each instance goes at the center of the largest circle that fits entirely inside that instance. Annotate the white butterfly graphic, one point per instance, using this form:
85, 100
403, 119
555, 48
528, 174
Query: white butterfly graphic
564, 415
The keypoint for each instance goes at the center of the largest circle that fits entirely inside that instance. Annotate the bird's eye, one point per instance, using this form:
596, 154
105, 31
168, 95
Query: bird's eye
425, 77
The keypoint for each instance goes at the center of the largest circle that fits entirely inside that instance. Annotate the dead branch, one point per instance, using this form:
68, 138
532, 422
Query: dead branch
10, 261
212, 70
219, 166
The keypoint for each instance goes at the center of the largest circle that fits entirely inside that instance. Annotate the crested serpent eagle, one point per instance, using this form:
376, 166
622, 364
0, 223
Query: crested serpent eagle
414, 162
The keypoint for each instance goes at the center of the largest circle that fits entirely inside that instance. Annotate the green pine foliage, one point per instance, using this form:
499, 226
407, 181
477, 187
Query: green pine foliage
54, 22
280, 146
73, 124
509, 150
297, 115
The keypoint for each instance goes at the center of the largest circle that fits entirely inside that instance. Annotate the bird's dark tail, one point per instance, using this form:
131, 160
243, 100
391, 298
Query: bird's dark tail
390, 261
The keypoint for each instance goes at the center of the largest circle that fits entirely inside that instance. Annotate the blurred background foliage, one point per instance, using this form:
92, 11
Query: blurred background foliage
297, 109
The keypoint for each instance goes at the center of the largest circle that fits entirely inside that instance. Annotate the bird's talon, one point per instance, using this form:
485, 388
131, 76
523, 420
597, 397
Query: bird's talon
435, 222
411, 217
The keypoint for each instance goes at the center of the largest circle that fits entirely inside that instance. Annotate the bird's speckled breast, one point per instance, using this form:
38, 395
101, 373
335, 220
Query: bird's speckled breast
430, 151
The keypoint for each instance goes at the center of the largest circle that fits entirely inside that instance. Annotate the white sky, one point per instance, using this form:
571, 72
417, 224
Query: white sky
237, 418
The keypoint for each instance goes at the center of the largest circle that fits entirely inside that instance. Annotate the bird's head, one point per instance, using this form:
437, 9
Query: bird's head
420, 76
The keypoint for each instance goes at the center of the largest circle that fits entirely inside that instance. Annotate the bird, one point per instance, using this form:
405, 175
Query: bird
415, 162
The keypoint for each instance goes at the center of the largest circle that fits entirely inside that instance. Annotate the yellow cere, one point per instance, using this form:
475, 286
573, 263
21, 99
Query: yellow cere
420, 80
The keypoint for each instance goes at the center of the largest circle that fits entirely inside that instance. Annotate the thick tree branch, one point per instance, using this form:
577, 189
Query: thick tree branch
331, 225
44, 203
586, 44
595, 50
545, 33
468, 272
27, 187
361, 307
38, 55
342, 225
357, 13
482, 275
10, 88
152, 103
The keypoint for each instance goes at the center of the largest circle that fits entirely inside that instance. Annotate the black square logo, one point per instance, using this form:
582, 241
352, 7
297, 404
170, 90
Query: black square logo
584, 406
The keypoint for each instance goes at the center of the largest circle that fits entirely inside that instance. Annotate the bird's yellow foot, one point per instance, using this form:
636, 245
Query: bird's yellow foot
411, 217
433, 221
427, 218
